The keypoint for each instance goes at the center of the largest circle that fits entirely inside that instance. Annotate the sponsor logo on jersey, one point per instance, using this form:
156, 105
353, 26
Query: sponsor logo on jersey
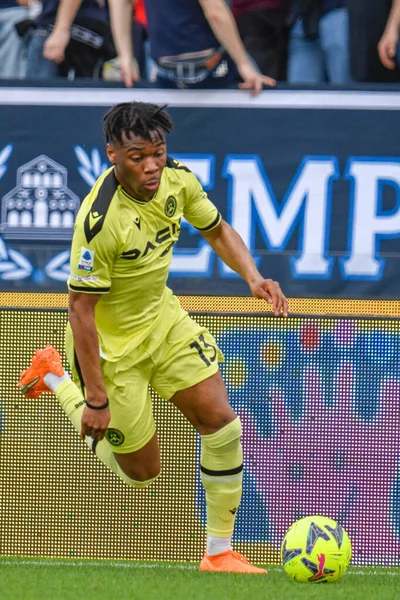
86, 259
163, 235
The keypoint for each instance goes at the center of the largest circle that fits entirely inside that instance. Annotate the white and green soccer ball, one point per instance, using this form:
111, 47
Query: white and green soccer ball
316, 550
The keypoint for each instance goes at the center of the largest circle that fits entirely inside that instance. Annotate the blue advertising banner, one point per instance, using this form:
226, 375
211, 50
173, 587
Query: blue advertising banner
310, 180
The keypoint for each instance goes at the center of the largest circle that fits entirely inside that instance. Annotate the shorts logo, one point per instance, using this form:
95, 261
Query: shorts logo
170, 206
86, 259
115, 437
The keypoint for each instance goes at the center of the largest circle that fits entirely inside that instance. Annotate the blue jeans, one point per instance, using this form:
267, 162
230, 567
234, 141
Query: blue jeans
37, 66
12, 47
324, 59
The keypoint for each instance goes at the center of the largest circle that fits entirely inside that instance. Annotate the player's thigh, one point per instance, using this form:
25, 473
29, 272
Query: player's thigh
132, 425
144, 464
205, 405
73, 360
187, 373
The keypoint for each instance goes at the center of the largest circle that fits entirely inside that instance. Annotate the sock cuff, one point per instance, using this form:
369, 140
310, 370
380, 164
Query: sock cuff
223, 436
61, 386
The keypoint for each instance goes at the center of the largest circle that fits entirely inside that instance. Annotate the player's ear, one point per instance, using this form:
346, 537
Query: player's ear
111, 153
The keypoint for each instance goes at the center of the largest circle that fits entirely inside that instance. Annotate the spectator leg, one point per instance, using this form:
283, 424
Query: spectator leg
139, 50
305, 62
12, 47
334, 35
37, 66
264, 36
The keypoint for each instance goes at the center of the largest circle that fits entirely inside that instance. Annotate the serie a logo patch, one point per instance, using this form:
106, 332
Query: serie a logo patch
86, 260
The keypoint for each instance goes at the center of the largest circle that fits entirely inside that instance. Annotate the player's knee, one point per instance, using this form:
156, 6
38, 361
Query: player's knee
218, 421
230, 432
213, 421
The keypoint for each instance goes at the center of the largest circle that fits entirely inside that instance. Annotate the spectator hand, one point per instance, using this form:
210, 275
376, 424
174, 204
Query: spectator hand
129, 70
54, 47
387, 48
252, 79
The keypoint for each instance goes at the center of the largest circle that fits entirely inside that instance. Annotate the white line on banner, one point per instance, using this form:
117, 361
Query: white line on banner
282, 99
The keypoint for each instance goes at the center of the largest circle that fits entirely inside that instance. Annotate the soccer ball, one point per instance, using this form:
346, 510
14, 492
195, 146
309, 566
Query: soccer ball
316, 550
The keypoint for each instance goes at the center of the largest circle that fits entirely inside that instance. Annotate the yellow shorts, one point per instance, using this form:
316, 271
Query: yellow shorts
188, 355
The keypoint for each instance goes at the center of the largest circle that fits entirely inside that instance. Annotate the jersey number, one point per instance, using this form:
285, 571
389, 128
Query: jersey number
199, 349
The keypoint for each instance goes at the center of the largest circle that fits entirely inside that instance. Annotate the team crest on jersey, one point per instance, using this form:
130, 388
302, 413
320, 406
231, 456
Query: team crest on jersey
170, 206
86, 259
115, 437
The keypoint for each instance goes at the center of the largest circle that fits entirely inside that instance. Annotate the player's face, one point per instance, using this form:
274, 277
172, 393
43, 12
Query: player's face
139, 163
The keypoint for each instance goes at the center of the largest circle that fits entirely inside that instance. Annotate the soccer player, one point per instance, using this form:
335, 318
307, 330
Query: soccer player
127, 330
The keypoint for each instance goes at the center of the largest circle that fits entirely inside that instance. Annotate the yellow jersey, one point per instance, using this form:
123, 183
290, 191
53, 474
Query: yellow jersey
122, 249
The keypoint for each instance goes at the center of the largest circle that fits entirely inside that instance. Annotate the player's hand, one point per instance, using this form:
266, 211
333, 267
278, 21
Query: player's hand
387, 48
270, 291
252, 78
55, 45
129, 70
95, 423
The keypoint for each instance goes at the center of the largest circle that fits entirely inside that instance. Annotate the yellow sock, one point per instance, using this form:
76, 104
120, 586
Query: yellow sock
221, 467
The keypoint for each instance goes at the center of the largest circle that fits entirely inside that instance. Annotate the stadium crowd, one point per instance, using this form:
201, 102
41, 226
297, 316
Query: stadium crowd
202, 43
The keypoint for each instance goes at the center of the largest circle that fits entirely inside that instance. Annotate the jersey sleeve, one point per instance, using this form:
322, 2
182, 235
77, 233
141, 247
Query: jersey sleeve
199, 210
91, 261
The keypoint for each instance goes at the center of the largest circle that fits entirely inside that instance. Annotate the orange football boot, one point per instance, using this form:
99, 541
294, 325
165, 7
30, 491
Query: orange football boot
45, 361
229, 562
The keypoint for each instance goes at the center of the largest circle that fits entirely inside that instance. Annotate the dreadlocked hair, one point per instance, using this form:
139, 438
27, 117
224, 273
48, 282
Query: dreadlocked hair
139, 118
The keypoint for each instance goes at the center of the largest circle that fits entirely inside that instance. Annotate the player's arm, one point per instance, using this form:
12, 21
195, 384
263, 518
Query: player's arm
121, 18
229, 246
388, 44
56, 43
81, 317
222, 22
93, 250
227, 243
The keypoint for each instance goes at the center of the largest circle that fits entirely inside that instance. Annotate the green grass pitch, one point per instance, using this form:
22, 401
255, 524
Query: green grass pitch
53, 579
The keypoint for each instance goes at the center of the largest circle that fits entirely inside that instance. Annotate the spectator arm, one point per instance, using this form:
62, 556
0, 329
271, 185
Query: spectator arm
121, 17
393, 22
222, 22
66, 14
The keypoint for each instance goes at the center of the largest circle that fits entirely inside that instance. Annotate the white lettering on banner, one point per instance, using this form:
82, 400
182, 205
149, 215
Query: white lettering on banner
252, 203
195, 262
251, 190
366, 223
202, 165
41, 207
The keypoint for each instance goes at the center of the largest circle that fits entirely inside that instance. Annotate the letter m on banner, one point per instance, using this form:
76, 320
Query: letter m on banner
307, 202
